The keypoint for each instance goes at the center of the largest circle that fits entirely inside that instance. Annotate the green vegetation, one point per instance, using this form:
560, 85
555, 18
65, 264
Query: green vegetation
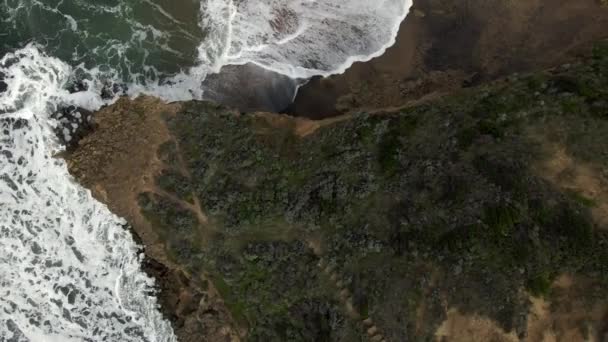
540, 285
582, 199
438, 203
176, 183
502, 220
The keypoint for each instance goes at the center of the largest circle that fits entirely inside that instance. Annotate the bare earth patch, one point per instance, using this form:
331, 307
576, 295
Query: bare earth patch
567, 317
120, 160
462, 328
577, 177
300, 126
564, 317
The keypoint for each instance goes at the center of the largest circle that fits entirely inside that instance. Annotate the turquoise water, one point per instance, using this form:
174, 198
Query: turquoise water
135, 39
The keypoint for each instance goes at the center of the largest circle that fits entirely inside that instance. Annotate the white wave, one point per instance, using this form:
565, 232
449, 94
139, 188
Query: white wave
299, 38
69, 271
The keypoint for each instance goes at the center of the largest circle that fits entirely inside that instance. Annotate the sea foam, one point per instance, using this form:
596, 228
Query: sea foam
301, 39
69, 271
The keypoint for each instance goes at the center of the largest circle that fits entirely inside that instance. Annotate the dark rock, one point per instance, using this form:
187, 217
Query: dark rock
73, 124
9, 62
120, 88
110, 90
107, 93
3, 85
78, 86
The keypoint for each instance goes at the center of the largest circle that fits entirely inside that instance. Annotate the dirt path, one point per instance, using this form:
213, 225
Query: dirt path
118, 162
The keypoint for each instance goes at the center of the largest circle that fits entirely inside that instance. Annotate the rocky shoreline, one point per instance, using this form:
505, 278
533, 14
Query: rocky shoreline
477, 216
453, 189
122, 150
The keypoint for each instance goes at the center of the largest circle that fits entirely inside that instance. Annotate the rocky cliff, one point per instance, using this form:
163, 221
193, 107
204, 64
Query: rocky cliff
476, 216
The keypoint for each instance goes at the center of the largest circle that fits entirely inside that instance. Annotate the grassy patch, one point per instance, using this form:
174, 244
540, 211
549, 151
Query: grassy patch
600, 51
573, 105
466, 136
582, 199
237, 307
388, 152
573, 225
175, 183
501, 219
540, 285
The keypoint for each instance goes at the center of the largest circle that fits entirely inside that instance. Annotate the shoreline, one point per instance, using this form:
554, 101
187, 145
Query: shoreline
237, 286
442, 47
413, 77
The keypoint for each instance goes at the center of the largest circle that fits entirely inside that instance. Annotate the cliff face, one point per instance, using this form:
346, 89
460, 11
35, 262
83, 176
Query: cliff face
481, 215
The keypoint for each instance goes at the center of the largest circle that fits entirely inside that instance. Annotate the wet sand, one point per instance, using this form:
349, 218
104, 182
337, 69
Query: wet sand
250, 88
449, 44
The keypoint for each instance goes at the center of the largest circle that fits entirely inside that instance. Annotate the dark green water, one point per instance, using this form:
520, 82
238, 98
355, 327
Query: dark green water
137, 39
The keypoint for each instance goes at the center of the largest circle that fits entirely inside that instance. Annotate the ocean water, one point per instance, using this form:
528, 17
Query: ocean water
69, 270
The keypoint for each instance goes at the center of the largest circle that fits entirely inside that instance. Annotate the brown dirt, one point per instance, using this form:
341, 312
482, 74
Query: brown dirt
447, 44
300, 126
458, 327
576, 177
120, 161
110, 168
563, 317
567, 318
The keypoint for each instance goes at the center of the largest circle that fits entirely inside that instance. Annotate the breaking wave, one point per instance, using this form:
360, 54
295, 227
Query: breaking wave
69, 271
300, 39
